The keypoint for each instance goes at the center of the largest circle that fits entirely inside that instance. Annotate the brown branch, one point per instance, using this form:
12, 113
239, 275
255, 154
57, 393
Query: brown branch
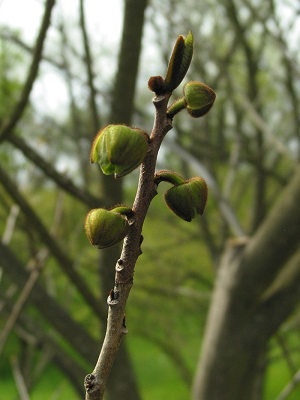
116, 328
273, 244
36, 264
289, 387
62, 181
76, 123
19, 109
18, 306
10, 224
72, 331
30, 331
90, 74
20, 383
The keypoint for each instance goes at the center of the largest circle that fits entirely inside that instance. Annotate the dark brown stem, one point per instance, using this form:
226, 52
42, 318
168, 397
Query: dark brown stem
116, 328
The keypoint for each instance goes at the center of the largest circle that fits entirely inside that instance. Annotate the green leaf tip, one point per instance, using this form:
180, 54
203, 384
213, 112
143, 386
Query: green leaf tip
180, 61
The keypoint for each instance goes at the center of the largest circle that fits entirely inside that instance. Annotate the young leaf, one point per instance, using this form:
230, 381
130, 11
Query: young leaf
179, 62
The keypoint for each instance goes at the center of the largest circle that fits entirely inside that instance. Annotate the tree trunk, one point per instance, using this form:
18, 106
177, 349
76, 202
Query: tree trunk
257, 287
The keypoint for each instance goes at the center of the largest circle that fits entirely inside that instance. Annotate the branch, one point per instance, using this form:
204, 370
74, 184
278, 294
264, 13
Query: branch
65, 263
116, 328
49, 308
19, 379
30, 331
88, 63
18, 307
10, 224
35, 265
260, 124
225, 208
62, 181
289, 387
274, 242
19, 109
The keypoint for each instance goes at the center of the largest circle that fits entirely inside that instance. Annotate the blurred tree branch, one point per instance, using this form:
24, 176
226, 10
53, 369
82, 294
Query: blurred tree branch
62, 181
238, 310
64, 261
49, 308
8, 126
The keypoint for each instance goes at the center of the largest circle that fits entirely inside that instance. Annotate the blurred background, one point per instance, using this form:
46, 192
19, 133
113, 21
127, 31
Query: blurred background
67, 68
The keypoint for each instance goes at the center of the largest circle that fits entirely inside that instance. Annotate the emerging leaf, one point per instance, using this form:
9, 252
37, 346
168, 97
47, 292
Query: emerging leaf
180, 61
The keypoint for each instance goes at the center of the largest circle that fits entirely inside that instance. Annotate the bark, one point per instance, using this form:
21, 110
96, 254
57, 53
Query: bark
242, 316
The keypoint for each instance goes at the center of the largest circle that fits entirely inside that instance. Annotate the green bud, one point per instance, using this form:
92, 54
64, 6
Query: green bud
188, 199
199, 98
104, 228
119, 149
179, 62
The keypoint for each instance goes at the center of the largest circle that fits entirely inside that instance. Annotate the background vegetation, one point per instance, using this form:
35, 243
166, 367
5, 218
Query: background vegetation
54, 285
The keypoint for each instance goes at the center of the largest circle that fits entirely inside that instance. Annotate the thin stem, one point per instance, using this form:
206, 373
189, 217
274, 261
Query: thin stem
116, 327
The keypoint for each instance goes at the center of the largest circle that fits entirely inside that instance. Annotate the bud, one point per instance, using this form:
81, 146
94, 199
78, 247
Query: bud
157, 85
119, 149
199, 98
187, 199
104, 228
179, 62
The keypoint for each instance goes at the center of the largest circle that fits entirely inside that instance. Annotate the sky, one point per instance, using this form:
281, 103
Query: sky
104, 24
99, 15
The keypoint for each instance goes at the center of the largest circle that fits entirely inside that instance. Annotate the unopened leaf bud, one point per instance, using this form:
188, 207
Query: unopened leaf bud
199, 98
157, 85
187, 199
119, 149
104, 228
